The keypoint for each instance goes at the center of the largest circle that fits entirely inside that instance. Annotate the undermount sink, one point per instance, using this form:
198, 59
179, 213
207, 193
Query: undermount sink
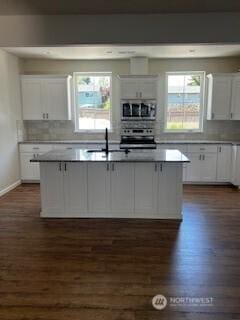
112, 150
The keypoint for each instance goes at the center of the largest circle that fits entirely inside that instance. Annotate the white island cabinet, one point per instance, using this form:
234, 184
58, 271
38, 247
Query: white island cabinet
120, 186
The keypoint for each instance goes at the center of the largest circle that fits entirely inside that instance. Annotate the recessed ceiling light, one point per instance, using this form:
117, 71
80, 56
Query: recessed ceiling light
192, 50
47, 52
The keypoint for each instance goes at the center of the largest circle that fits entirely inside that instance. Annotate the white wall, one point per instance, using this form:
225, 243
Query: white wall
10, 112
213, 130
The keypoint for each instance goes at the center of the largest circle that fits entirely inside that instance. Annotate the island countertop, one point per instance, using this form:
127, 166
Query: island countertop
82, 155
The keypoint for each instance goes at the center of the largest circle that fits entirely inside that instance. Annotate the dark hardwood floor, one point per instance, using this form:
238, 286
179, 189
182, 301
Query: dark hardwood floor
111, 269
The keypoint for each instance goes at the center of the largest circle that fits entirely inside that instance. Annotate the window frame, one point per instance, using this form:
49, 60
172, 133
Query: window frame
97, 74
202, 75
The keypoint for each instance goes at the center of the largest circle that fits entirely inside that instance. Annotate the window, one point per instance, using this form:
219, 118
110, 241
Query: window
92, 101
184, 101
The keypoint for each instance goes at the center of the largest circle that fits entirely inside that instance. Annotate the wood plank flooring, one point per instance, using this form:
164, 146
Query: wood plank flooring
111, 269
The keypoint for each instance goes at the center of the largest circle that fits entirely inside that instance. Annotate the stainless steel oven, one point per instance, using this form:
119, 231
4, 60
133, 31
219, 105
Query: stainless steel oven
139, 136
138, 110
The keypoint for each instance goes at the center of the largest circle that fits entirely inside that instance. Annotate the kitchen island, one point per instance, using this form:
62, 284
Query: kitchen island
140, 184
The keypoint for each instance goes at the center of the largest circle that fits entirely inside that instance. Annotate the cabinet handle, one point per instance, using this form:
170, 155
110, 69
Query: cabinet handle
47, 115
65, 166
231, 115
107, 166
161, 166
200, 157
113, 167
43, 115
155, 167
203, 157
35, 148
59, 166
220, 149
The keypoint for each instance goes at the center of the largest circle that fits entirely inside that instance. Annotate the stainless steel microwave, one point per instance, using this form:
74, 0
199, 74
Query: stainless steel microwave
138, 110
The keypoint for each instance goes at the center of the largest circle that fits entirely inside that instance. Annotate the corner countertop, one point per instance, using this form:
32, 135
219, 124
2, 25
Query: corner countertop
81, 155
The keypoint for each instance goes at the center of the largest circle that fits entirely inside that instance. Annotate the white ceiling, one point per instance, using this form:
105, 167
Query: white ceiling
124, 52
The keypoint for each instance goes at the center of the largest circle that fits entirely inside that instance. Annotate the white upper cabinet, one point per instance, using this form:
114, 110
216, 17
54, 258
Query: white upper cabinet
32, 98
46, 97
133, 87
219, 96
235, 103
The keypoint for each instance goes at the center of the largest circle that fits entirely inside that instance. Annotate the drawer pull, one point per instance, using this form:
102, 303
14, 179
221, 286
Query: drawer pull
36, 148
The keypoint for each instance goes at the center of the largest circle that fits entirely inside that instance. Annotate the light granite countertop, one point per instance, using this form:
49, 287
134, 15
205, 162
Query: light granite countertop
82, 155
117, 142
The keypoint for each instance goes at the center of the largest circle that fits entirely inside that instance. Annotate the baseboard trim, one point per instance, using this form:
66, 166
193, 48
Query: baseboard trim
9, 188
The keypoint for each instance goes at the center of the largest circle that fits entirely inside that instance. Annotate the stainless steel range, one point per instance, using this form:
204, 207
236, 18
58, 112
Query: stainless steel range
138, 135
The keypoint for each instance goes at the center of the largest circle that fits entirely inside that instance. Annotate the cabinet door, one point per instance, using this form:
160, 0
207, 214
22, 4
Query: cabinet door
235, 107
221, 97
32, 99
147, 88
194, 167
75, 188
236, 166
129, 89
224, 163
29, 170
209, 167
122, 188
146, 183
170, 190
52, 189
98, 188
56, 99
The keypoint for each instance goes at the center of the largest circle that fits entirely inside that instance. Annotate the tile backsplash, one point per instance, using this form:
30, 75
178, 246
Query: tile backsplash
64, 130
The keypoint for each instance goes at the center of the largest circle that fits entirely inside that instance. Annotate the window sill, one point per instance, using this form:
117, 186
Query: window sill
183, 131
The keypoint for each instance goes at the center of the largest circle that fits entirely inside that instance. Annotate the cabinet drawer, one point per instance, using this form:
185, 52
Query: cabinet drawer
35, 148
202, 148
66, 146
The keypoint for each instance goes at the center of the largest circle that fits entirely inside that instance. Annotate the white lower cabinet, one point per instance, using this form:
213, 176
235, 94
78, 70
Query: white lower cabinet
146, 185
224, 163
75, 187
52, 189
194, 167
169, 192
202, 167
140, 190
122, 188
29, 171
98, 181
